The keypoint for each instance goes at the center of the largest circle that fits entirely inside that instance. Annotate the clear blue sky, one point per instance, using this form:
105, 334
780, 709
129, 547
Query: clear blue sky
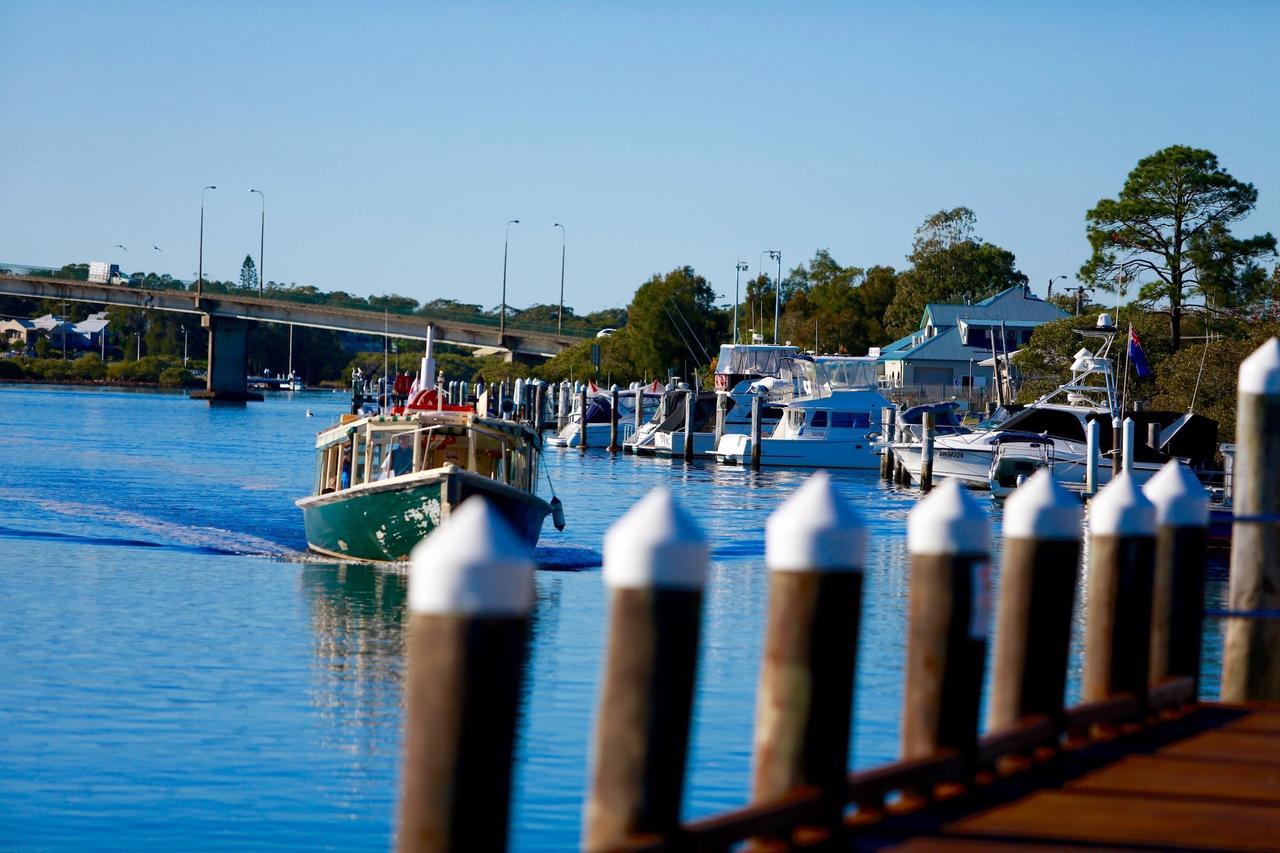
393, 141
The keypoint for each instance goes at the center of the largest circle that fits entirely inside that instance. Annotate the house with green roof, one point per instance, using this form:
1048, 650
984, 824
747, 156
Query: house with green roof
954, 341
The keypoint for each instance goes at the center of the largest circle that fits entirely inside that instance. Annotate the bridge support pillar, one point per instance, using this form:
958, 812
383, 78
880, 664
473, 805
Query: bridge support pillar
227, 376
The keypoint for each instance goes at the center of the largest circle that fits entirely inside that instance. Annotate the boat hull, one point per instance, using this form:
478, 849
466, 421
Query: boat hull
382, 522
800, 453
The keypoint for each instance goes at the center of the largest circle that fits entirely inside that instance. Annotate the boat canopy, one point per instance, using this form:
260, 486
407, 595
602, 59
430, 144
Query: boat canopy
752, 359
944, 415
704, 412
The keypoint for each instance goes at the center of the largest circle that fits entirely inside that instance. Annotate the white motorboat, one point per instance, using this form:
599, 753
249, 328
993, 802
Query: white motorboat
599, 407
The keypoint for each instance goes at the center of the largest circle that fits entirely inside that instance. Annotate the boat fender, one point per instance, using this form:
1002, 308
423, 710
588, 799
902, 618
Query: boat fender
557, 513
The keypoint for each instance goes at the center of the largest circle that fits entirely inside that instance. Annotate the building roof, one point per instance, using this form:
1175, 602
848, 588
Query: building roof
1014, 303
1016, 307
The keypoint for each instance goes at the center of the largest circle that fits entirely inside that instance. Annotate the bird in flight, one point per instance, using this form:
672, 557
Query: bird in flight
157, 248
118, 246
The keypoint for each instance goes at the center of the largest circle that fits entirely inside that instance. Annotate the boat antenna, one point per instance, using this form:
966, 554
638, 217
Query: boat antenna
680, 332
692, 334
1203, 355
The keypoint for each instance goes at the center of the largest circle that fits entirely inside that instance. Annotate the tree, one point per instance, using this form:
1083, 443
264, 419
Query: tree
672, 321
948, 264
248, 274
1168, 231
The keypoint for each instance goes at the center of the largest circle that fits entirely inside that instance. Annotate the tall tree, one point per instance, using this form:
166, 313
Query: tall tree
248, 274
949, 264
672, 321
1168, 231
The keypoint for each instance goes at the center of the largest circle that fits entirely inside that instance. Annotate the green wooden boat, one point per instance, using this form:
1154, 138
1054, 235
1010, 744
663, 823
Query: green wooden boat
384, 482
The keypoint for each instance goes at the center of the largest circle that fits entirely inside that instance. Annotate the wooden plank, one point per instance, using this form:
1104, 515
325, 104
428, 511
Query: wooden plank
1207, 780
929, 844
1261, 722
1088, 819
1227, 746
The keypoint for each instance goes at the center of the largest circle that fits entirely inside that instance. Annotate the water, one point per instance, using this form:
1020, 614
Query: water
176, 672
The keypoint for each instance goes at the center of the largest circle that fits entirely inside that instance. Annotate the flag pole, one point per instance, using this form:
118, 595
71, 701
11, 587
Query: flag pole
1124, 395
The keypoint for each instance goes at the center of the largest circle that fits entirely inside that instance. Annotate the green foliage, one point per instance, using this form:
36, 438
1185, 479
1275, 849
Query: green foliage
1209, 377
673, 322
248, 274
89, 368
43, 348
144, 370
948, 264
1168, 233
616, 365
1045, 362
836, 308
175, 377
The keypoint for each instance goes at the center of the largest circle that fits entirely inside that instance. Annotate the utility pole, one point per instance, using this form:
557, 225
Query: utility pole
262, 237
737, 280
776, 254
559, 313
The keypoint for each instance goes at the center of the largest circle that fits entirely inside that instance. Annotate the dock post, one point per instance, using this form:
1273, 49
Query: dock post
690, 400
720, 399
638, 414
887, 435
518, 389
539, 403
582, 418
655, 566
1037, 590
1182, 538
1126, 463
613, 419
926, 454
1117, 457
502, 398
562, 405
755, 432
815, 548
900, 475
1117, 633
948, 539
1093, 434
1153, 436
470, 595
1251, 653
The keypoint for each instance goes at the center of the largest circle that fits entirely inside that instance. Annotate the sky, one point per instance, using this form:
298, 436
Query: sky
393, 141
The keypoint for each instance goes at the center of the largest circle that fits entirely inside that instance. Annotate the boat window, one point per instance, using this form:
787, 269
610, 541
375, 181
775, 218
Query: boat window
795, 418
819, 418
490, 452
841, 420
1053, 422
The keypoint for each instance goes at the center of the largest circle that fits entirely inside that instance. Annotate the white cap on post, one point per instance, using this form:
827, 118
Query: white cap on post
655, 544
948, 521
815, 530
1260, 372
1121, 509
1042, 509
1179, 498
473, 564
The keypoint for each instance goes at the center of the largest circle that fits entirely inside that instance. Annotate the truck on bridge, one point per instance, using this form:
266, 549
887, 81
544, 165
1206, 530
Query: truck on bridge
102, 272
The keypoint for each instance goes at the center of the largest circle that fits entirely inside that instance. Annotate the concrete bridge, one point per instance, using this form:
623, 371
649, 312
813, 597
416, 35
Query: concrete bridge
227, 317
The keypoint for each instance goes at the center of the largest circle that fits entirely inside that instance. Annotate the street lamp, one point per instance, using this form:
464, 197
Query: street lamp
776, 254
262, 234
502, 318
184, 345
200, 267
560, 313
739, 266
1049, 293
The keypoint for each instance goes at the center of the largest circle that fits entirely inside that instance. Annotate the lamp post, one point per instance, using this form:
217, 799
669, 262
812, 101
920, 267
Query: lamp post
184, 345
776, 254
502, 318
1049, 293
739, 266
200, 267
560, 313
262, 236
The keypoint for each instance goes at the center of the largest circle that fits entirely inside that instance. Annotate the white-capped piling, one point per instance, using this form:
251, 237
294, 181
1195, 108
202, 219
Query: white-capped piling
886, 434
502, 399
539, 402
690, 400
517, 399
562, 405
655, 566
1042, 529
1126, 463
582, 418
469, 599
1117, 457
613, 419
1092, 437
755, 431
948, 539
1182, 536
926, 453
721, 402
1251, 654
815, 548
638, 414
1122, 528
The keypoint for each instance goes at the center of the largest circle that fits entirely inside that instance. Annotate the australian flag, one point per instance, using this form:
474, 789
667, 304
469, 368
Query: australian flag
1137, 357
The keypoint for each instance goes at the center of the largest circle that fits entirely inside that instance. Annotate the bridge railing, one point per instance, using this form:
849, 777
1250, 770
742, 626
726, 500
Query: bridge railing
275, 292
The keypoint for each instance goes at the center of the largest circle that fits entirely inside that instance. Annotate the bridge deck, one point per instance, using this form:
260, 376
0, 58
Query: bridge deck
1208, 780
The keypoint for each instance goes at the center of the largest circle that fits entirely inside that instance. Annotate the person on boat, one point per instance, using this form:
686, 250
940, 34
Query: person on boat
400, 459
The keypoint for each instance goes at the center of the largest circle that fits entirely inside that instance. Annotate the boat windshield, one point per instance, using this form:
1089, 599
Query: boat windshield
848, 372
752, 360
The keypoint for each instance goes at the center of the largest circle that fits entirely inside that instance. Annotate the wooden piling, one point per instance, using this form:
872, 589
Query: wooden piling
539, 402
1122, 527
655, 565
926, 453
1128, 442
582, 418
470, 595
1093, 434
755, 432
815, 546
1182, 535
1153, 436
562, 405
1117, 456
613, 419
948, 538
887, 434
690, 400
1251, 654
1037, 590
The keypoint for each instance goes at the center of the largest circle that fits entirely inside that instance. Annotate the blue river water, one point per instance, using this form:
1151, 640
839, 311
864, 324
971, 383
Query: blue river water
176, 671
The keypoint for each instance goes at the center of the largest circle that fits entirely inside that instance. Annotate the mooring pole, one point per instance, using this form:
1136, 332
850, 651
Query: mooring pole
1128, 445
1092, 435
582, 418
926, 454
755, 432
1037, 590
1122, 528
887, 434
815, 549
1251, 653
613, 419
562, 405
1117, 455
1182, 536
655, 566
470, 595
948, 539
690, 399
